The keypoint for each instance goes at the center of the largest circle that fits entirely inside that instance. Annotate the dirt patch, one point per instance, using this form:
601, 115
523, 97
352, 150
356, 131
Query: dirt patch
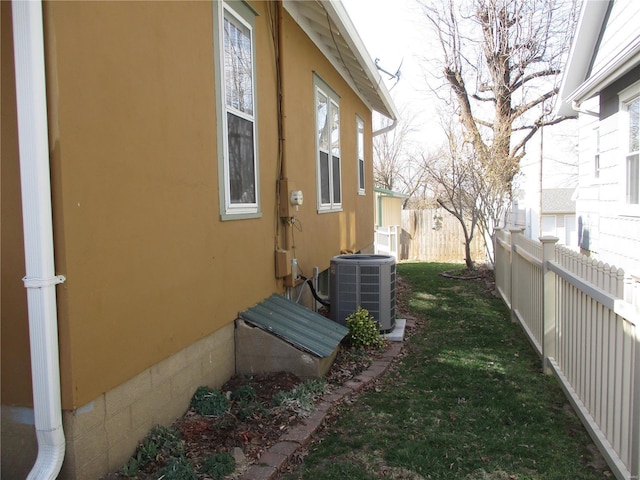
481, 273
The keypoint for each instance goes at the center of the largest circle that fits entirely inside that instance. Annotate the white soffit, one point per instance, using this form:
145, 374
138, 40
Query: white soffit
583, 47
623, 62
329, 27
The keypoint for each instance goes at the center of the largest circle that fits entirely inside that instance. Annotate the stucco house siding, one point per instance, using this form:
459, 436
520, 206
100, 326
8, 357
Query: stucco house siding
155, 273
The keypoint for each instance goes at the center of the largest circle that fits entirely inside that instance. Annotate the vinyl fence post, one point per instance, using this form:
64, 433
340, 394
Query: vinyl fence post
513, 294
548, 302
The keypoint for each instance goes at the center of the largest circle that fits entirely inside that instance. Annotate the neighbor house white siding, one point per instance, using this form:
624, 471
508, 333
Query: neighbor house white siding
605, 230
621, 29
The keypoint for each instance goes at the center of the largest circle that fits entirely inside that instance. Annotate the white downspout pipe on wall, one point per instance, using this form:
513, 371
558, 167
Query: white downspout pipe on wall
40, 279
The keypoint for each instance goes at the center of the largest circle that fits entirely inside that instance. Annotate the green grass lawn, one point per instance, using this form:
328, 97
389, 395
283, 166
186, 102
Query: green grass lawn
468, 400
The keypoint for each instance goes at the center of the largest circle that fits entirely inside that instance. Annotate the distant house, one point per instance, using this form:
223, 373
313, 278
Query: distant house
601, 87
388, 220
558, 214
187, 144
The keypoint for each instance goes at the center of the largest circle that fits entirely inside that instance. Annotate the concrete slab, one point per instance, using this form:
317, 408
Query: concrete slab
397, 334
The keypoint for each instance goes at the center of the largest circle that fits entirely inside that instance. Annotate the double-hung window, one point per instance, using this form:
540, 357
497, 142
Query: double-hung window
630, 144
328, 147
596, 154
236, 106
360, 154
632, 151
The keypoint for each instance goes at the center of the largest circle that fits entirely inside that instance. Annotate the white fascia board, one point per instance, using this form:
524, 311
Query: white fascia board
581, 54
624, 61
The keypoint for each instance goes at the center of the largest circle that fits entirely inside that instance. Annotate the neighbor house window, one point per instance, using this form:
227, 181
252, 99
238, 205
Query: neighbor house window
235, 74
596, 155
633, 151
630, 100
328, 147
360, 153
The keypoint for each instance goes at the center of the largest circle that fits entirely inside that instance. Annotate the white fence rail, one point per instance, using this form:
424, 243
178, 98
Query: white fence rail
582, 318
386, 240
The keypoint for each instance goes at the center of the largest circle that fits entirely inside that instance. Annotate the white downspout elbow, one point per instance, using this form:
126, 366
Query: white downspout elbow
40, 279
386, 129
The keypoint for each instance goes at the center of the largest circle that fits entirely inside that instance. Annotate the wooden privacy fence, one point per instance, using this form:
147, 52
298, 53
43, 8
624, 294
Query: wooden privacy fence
582, 319
425, 238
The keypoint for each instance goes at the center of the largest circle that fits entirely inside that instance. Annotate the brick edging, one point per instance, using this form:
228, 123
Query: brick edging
278, 455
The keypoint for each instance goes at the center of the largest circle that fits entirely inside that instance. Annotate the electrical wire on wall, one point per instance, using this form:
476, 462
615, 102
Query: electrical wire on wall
335, 42
274, 20
296, 224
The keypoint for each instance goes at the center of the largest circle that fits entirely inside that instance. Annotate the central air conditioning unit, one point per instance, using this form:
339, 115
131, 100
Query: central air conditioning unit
368, 281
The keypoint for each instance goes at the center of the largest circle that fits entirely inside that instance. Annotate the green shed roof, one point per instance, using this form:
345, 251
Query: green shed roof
296, 324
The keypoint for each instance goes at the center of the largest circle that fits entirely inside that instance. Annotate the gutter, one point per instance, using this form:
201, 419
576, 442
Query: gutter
40, 279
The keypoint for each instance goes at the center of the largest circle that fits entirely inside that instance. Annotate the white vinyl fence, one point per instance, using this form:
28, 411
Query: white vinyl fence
582, 318
387, 241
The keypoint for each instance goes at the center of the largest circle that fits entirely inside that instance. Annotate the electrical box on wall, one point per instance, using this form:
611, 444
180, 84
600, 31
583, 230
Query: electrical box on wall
290, 198
296, 198
283, 263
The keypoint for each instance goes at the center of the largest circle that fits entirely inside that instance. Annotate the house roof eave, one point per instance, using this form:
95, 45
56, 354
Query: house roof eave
627, 59
583, 48
329, 27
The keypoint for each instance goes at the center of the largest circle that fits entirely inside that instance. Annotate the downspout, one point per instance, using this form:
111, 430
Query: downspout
40, 279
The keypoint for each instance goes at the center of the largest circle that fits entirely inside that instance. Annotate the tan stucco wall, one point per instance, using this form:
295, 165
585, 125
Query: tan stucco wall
102, 434
150, 267
323, 235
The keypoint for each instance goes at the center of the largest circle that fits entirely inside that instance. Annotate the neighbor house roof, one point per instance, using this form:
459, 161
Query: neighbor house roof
390, 193
558, 200
579, 83
329, 27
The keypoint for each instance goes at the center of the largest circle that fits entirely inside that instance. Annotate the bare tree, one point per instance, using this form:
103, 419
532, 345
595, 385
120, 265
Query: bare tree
396, 166
501, 62
452, 172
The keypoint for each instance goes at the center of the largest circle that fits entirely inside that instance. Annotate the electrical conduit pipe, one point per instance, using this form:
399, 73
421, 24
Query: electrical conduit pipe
40, 279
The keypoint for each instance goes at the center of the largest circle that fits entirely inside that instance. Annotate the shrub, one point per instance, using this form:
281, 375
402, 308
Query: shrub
245, 393
178, 469
208, 401
363, 329
218, 465
301, 399
159, 444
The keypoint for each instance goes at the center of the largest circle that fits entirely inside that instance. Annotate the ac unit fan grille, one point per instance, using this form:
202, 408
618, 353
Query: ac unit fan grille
367, 281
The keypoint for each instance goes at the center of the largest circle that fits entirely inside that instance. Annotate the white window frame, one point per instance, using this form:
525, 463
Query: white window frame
597, 155
625, 97
333, 106
240, 14
360, 170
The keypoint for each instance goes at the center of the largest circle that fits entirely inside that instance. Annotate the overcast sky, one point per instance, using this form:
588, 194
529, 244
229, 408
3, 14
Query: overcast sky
394, 32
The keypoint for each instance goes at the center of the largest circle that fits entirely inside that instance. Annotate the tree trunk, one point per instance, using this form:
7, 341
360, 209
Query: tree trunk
467, 254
